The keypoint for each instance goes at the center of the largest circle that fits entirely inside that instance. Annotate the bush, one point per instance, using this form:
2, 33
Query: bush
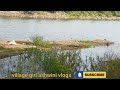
38, 41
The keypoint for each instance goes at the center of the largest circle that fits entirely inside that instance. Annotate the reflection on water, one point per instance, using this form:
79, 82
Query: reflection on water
100, 50
6, 65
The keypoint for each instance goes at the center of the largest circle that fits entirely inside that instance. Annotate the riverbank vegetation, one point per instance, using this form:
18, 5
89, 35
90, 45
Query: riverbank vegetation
57, 61
76, 14
97, 15
67, 62
37, 41
7, 52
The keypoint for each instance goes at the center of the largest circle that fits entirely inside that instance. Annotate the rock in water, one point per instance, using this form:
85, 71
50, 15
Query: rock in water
12, 42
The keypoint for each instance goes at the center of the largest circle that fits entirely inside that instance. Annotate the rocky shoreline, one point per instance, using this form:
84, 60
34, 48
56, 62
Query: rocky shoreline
58, 15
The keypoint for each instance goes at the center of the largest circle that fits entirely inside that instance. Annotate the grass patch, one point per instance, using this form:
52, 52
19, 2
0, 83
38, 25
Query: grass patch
6, 52
25, 42
85, 41
113, 69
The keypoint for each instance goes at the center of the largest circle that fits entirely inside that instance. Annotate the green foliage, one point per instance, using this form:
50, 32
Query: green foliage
85, 41
48, 61
57, 61
28, 12
112, 68
38, 41
116, 13
5, 52
77, 14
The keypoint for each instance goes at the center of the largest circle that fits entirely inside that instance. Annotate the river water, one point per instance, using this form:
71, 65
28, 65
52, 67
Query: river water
24, 29
53, 30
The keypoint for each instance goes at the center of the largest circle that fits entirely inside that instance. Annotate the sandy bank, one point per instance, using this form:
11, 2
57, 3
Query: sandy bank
65, 43
19, 44
57, 15
82, 44
8, 50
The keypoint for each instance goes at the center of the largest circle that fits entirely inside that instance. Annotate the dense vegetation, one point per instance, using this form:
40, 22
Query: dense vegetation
80, 13
54, 60
94, 13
